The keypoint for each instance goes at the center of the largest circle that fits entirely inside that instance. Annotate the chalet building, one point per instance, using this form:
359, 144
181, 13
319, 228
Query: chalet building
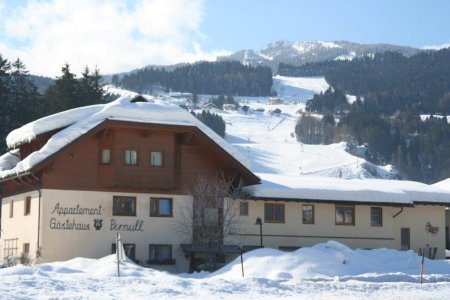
74, 179
70, 181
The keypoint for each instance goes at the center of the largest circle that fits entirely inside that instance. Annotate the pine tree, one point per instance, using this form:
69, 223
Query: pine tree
5, 93
90, 88
62, 95
26, 101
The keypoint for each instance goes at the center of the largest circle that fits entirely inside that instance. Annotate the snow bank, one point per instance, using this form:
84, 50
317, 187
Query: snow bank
328, 271
327, 260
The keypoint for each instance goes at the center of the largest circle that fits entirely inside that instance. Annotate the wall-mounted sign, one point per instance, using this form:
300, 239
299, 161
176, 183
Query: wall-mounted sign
68, 225
76, 210
434, 230
72, 224
126, 227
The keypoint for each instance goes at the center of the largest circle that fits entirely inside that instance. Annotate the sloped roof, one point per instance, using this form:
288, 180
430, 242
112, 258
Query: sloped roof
327, 189
76, 122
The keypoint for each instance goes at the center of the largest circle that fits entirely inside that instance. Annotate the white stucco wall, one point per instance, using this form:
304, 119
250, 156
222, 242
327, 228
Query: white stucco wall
22, 227
60, 241
292, 233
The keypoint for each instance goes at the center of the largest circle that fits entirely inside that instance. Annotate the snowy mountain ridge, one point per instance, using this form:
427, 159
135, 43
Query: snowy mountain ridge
300, 52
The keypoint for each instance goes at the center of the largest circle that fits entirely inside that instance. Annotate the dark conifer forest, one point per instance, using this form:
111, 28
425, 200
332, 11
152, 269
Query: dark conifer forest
212, 78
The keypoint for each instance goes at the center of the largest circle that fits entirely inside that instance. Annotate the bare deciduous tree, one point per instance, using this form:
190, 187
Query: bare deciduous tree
212, 216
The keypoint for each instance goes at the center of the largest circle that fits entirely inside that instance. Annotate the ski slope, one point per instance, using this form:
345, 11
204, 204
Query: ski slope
298, 89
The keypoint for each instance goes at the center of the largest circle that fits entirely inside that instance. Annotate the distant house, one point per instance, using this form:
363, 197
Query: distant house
275, 101
229, 107
209, 105
276, 111
179, 95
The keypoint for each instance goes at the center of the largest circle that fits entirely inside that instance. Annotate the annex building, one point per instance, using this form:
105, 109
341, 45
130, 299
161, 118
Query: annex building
70, 181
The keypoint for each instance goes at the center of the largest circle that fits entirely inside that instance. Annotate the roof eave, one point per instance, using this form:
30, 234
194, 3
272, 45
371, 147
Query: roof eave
328, 201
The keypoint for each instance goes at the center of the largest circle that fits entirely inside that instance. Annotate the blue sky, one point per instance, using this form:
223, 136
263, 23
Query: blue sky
237, 24
122, 35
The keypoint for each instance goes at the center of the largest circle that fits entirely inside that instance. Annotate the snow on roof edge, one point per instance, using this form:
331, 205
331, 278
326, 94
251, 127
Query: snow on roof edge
324, 189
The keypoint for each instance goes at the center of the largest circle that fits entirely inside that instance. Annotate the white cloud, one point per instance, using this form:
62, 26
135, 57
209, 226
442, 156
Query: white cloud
436, 47
114, 35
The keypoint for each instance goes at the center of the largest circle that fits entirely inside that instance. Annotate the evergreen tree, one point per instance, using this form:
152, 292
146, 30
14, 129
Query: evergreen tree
90, 88
27, 103
62, 95
5, 92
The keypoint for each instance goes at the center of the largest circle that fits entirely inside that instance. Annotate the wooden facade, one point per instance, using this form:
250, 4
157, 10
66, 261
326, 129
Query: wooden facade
187, 152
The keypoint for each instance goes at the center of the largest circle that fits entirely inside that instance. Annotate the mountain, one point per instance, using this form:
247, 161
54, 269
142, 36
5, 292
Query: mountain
298, 53
41, 82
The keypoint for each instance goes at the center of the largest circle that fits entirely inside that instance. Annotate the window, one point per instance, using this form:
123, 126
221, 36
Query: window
130, 250
26, 248
160, 207
11, 208
106, 156
243, 209
274, 213
160, 254
308, 214
156, 159
131, 157
27, 207
124, 206
376, 216
345, 215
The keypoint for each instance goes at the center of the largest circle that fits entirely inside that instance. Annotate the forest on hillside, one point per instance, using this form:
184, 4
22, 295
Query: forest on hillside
212, 78
392, 91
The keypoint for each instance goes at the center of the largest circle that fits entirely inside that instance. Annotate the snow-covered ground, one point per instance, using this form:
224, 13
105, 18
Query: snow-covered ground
270, 142
325, 271
298, 89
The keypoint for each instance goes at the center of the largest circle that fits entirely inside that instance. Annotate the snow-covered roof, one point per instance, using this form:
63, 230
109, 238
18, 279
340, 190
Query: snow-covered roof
395, 192
80, 120
444, 184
